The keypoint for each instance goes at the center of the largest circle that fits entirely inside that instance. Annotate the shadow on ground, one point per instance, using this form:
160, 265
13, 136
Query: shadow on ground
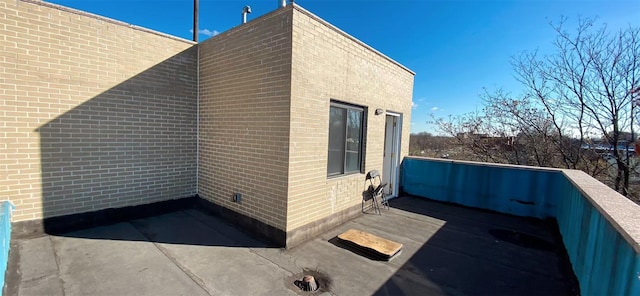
187, 227
477, 252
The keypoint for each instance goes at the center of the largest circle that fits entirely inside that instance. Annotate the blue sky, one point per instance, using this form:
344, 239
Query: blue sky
456, 48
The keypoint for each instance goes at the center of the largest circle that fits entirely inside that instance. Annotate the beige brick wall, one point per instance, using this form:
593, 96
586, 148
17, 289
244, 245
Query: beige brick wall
328, 64
98, 114
244, 117
95, 113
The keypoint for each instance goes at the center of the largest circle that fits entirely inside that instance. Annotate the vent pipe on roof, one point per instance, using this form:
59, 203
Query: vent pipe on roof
245, 10
195, 20
282, 3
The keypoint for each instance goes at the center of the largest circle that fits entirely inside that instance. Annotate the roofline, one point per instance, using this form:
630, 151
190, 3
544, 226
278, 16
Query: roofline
343, 33
106, 19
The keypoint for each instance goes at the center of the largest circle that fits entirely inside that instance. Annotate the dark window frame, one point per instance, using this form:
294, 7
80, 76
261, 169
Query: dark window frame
348, 108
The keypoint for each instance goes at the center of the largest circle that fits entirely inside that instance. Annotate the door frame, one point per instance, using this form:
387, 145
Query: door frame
394, 179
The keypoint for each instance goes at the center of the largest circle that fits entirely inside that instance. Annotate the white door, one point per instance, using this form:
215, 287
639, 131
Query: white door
391, 160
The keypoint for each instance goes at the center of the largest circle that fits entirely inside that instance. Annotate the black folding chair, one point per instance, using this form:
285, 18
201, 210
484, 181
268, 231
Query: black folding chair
374, 191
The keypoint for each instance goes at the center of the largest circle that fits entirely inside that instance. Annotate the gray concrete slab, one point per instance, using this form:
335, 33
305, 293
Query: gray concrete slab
38, 269
126, 264
448, 250
221, 263
48, 285
41, 262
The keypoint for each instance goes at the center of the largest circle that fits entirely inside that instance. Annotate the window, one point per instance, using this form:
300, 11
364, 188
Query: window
345, 139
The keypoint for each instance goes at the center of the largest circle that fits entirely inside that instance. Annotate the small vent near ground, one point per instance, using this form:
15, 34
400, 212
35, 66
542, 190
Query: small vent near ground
307, 284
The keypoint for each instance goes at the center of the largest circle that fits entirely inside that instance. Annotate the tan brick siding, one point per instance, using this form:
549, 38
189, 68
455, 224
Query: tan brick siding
244, 117
327, 64
95, 113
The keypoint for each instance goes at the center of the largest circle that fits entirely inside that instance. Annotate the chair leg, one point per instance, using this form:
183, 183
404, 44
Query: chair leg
376, 205
385, 203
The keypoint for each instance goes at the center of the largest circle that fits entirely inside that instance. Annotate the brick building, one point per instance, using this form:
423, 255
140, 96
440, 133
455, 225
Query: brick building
272, 124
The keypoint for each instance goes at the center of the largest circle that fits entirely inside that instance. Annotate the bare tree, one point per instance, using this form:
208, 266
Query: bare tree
584, 89
586, 84
509, 130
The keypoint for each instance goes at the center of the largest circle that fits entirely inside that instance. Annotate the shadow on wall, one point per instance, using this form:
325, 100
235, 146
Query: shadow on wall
132, 144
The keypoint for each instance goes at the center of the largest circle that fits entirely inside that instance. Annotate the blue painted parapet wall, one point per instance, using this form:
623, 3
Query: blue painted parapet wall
601, 232
5, 237
600, 228
521, 191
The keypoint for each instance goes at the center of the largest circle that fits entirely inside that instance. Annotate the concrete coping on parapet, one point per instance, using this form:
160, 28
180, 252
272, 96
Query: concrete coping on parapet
488, 164
105, 19
622, 213
329, 25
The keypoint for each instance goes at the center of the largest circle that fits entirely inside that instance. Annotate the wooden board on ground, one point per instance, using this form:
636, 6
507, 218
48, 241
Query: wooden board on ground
373, 245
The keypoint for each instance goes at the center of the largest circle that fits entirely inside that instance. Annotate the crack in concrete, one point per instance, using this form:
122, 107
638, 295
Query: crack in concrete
184, 269
35, 279
251, 250
197, 280
57, 259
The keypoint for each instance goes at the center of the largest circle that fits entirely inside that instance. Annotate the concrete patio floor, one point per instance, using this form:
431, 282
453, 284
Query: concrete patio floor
448, 250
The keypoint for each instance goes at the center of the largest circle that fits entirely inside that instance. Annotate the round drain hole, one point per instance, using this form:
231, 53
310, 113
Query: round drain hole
307, 284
